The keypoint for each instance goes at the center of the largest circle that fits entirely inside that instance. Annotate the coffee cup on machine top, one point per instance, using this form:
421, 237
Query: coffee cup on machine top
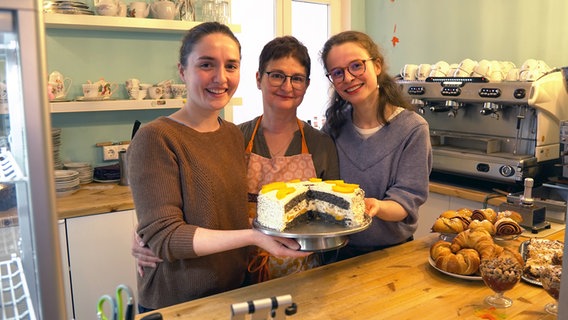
408, 72
423, 71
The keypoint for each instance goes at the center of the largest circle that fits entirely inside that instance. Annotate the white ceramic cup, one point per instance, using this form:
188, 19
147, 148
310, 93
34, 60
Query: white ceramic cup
133, 92
423, 71
142, 93
178, 91
452, 68
482, 69
465, 68
512, 75
408, 72
439, 69
155, 92
132, 83
90, 90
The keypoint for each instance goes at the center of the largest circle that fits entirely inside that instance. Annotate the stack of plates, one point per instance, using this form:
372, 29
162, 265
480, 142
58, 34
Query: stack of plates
56, 142
66, 182
67, 7
85, 171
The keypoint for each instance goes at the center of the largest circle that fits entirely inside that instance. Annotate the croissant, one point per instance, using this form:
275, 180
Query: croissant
465, 212
464, 262
484, 214
449, 214
510, 214
449, 225
485, 224
478, 239
507, 227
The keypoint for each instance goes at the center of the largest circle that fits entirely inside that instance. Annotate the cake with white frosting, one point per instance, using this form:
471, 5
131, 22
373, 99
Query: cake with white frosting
284, 204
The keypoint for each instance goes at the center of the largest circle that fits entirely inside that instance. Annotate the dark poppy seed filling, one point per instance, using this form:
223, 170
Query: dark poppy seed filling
295, 201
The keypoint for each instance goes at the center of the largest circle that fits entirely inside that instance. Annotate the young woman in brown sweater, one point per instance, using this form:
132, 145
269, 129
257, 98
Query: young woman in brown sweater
187, 176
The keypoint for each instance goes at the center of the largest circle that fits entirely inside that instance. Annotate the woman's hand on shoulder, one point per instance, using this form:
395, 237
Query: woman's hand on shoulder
144, 256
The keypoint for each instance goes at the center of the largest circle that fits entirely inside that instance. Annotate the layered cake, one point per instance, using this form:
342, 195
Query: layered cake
284, 204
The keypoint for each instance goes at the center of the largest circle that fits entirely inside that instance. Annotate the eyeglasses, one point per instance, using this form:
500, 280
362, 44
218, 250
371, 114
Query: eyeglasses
355, 68
277, 79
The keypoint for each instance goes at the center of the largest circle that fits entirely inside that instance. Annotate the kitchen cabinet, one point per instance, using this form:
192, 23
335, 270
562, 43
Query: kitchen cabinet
99, 255
65, 268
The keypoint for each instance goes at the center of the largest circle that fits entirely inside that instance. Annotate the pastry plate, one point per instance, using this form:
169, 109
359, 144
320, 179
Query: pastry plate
316, 235
455, 275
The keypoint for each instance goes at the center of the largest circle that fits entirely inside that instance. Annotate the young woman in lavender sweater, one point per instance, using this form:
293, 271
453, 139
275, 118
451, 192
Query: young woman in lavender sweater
382, 145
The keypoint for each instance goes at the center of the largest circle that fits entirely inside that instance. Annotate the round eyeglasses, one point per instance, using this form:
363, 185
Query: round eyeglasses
277, 79
355, 68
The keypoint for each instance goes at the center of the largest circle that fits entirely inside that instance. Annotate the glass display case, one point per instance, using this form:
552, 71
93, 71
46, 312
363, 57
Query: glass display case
30, 257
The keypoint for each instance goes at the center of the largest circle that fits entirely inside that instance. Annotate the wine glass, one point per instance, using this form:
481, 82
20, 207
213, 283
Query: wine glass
550, 279
500, 275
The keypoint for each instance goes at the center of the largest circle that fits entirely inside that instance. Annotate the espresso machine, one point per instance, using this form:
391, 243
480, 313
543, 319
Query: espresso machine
501, 132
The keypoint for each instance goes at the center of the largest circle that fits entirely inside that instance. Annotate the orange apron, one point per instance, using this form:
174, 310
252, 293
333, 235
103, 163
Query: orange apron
261, 171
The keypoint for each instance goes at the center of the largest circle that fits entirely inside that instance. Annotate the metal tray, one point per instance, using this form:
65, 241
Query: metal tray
523, 249
316, 235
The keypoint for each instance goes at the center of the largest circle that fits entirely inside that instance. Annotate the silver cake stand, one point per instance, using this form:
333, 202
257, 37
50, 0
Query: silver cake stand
316, 235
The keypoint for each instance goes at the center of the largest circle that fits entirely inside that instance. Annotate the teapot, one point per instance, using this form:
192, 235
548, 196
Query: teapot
164, 9
58, 85
104, 89
109, 7
138, 9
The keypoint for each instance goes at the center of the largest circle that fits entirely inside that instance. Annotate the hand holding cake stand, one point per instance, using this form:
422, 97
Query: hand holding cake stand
316, 235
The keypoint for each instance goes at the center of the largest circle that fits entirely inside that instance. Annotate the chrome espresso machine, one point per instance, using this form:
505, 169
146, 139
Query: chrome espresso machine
502, 132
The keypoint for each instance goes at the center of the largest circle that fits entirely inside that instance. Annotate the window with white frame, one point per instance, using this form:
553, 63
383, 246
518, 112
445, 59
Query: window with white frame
310, 21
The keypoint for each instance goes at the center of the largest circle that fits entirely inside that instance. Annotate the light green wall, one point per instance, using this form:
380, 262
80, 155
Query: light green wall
452, 30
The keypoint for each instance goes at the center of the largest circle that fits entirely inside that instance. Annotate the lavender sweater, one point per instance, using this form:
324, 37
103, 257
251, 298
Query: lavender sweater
393, 164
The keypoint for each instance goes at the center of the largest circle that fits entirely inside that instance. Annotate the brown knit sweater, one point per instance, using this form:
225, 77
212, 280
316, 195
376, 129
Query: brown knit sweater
180, 180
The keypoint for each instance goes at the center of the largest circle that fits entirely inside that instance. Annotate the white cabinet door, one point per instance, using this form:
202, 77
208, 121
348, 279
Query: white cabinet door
100, 258
65, 268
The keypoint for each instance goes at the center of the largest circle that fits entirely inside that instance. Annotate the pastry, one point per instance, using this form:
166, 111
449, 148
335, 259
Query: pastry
464, 262
484, 224
484, 214
507, 227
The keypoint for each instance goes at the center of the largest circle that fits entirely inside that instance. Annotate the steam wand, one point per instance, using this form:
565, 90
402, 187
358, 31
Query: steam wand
520, 118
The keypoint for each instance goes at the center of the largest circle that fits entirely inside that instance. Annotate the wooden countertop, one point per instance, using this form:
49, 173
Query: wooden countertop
395, 283
96, 198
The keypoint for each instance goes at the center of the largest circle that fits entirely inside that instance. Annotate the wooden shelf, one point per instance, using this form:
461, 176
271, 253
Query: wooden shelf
126, 24
121, 105
114, 105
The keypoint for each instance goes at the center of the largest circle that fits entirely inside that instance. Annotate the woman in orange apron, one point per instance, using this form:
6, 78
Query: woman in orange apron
279, 147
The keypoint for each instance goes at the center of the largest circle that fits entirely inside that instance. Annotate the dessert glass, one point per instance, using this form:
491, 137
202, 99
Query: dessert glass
550, 279
500, 275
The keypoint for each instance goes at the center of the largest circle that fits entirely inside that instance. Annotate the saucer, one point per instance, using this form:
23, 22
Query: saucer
59, 100
83, 98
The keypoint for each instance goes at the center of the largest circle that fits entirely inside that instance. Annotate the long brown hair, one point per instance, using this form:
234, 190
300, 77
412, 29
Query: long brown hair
389, 90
